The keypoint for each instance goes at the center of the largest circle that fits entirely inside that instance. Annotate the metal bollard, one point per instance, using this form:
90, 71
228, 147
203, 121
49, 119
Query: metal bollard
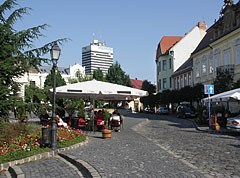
46, 136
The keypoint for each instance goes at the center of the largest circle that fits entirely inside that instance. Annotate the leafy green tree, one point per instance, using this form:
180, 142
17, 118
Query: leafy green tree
73, 105
80, 78
117, 75
236, 84
59, 80
16, 52
98, 75
223, 82
151, 99
198, 92
34, 94
49, 84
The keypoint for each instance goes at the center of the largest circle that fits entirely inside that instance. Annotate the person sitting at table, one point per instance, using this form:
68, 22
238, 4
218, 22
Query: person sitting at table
60, 122
100, 120
116, 121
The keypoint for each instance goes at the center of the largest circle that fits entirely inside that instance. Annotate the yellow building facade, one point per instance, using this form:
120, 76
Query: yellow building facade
220, 48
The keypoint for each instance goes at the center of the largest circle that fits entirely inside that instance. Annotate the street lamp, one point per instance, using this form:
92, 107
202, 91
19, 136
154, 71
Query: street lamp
55, 53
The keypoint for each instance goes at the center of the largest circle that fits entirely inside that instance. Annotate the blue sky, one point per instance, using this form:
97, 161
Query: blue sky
132, 27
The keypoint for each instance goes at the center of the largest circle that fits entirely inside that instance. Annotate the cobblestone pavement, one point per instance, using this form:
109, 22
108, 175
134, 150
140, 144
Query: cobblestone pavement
48, 168
129, 154
215, 154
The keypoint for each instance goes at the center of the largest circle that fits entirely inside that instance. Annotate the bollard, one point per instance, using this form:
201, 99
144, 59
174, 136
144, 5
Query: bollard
46, 136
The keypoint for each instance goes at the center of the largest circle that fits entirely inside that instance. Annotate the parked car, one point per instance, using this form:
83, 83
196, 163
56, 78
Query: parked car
233, 123
162, 110
185, 112
149, 110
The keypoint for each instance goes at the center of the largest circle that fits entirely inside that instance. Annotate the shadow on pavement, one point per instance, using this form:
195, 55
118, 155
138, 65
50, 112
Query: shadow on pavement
236, 146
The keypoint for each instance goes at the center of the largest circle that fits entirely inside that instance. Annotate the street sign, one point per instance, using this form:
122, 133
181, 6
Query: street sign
209, 89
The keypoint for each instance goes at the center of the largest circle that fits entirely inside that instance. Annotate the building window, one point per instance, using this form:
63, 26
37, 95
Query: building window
217, 59
181, 82
238, 51
211, 63
170, 82
204, 65
159, 66
185, 80
164, 83
175, 83
227, 56
197, 70
32, 83
178, 83
189, 79
170, 63
159, 84
164, 65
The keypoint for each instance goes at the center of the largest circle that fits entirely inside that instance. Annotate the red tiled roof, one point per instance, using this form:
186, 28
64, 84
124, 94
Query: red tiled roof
167, 42
136, 83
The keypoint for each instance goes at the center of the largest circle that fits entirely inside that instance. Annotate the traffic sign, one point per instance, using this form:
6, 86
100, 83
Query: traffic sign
209, 89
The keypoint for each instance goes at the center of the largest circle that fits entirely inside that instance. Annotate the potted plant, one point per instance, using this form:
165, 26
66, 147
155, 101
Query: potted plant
106, 133
217, 126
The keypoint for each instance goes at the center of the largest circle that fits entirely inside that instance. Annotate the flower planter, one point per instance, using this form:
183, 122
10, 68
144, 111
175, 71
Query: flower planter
106, 133
217, 127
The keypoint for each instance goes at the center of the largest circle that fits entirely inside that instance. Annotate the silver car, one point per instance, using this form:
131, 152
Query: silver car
162, 110
233, 123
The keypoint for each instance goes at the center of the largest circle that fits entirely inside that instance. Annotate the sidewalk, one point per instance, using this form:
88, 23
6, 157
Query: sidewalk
206, 129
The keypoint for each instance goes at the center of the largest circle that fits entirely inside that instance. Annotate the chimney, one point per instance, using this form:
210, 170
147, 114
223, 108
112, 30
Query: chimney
136, 78
202, 25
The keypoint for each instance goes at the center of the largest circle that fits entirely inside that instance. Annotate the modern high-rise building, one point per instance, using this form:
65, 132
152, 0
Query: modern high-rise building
97, 55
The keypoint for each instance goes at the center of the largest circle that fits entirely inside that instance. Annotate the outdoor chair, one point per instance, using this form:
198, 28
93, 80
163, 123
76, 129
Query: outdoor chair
82, 124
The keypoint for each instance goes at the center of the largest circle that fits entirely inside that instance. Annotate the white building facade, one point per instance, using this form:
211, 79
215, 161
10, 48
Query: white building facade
38, 77
97, 55
173, 51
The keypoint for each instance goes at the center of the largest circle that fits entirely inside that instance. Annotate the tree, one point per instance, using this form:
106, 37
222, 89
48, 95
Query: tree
117, 75
98, 75
236, 84
197, 92
34, 94
223, 81
151, 99
49, 80
80, 78
17, 54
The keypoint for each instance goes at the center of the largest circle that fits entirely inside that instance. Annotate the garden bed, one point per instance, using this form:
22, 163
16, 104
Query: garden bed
27, 142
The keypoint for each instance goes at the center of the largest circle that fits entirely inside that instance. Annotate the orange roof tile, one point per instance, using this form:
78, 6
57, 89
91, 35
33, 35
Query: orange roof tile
136, 83
167, 42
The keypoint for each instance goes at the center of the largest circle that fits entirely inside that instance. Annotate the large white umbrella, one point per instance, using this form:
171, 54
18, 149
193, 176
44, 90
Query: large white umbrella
232, 95
99, 90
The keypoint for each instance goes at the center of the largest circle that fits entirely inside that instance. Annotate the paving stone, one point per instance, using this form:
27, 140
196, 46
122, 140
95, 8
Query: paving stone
217, 154
130, 154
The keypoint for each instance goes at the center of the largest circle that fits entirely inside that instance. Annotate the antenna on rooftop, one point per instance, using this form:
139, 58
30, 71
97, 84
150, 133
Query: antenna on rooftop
93, 36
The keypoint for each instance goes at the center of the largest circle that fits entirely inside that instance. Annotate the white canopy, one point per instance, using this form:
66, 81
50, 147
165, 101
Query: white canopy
99, 91
232, 95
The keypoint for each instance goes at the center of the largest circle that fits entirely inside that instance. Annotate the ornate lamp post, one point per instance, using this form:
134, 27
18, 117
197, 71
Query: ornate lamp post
55, 53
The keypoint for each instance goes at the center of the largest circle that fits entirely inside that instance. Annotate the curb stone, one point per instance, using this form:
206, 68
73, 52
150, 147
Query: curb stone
80, 164
211, 131
15, 171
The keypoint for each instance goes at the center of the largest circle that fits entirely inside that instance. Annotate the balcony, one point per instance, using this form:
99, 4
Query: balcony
226, 68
